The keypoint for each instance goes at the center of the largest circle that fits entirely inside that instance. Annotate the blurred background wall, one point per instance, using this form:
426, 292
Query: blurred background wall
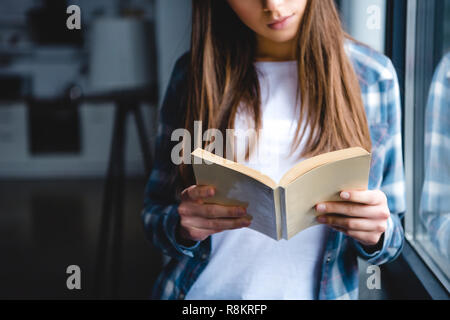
41, 60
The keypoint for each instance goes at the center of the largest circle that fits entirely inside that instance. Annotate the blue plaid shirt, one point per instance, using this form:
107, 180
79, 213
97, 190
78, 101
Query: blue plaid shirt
339, 278
435, 202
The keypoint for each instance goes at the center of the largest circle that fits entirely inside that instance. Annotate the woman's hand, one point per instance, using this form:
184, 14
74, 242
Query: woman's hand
363, 215
199, 220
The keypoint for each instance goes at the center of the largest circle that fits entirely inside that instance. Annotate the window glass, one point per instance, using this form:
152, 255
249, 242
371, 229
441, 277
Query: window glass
431, 226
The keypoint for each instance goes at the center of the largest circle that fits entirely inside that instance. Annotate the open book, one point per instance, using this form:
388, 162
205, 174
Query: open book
282, 210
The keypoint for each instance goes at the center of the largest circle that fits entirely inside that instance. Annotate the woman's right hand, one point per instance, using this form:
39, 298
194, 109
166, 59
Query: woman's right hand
199, 220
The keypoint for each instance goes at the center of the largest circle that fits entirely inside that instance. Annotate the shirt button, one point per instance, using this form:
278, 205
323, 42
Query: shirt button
328, 259
181, 296
204, 256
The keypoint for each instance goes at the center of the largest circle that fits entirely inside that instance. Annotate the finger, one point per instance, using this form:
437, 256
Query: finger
353, 209
194, 193
355, 224
212, 211
370, 197
216, 224
338, 229
196, 234
366, 238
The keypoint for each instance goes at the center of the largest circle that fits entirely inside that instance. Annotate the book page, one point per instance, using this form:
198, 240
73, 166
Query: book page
234, 188
317, 161
322, 184
209, 158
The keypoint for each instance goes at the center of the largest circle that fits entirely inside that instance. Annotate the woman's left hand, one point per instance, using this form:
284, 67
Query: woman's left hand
363, 215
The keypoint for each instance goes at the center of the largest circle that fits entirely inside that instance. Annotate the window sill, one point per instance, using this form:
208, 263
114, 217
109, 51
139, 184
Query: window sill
413, 257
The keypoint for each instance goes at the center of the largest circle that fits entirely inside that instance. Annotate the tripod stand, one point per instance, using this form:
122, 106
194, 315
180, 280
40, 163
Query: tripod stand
112, 218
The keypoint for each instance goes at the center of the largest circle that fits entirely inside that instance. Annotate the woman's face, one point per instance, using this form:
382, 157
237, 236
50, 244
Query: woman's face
275, 20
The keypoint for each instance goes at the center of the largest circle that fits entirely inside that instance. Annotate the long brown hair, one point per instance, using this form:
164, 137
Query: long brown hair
222, 77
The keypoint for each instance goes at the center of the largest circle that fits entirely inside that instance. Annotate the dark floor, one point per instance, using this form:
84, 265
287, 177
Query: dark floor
47, 226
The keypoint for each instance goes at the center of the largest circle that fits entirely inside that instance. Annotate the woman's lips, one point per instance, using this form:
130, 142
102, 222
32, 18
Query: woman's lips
280, 23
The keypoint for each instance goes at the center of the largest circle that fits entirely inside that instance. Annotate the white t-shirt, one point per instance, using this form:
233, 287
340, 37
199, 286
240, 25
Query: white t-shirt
245, 264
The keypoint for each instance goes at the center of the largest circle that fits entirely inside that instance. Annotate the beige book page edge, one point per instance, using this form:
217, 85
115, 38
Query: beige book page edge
317, 161
363, 162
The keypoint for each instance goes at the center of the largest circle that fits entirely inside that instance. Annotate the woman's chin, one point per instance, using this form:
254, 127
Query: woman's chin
280, 36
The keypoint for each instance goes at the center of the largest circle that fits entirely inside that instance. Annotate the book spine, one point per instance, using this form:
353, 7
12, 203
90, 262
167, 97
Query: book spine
282, 201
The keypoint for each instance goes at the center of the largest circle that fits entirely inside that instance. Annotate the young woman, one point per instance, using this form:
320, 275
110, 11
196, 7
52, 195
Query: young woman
274, 65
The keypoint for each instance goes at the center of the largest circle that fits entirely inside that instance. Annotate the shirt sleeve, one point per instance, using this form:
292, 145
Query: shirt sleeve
160, 214
393, 182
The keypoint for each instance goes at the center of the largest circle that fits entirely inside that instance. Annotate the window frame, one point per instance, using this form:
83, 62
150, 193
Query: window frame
417, 74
